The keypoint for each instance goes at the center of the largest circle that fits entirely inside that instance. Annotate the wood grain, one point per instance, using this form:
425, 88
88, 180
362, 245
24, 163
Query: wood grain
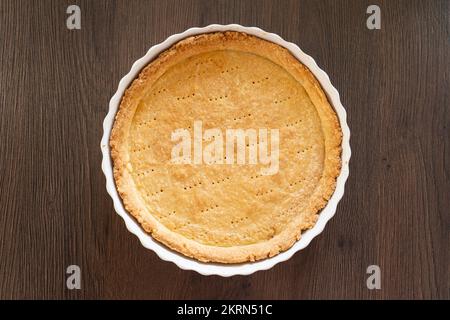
55, 87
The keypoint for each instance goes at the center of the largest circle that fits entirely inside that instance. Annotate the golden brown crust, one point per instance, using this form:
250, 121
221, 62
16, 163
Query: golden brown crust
303, 220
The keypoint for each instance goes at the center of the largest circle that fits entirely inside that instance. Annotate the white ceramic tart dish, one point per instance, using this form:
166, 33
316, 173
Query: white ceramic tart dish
204, 211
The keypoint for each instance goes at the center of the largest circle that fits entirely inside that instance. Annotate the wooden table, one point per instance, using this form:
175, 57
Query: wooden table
55, 87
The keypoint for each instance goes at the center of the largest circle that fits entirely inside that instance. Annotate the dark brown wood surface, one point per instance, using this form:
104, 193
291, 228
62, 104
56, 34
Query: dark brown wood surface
55, 88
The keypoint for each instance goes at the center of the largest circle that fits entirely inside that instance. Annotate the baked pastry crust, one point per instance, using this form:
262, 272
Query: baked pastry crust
295, 203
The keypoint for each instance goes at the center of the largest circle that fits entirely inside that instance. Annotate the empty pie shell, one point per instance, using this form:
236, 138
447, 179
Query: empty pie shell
220, 212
